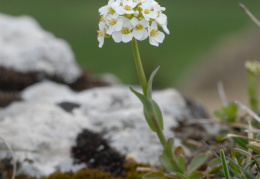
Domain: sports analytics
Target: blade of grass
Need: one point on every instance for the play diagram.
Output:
(224, 164)
(216, 155)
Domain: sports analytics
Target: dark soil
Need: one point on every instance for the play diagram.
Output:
(94, 151)
(13, 82)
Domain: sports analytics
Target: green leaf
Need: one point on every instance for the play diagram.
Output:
(234, 158)
(179, 154)
(227, 113)
(224, 164)
(167, 159)
(214, 165)
(158, 114)
(253, 147)
(150, 83)
(216, 155)
(240, 141)
(246, 173)
(148, 109)
(197, 175)
(182, 176)
(149, 121)
(197, 162)
(154, 175)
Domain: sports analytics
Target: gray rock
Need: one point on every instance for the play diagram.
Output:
(38, 124)
(25, 46)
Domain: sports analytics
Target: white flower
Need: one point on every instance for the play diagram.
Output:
(148, 11)
(165, 28)
(101, 33)
(162, 20)
(114, 22)
(157, 7)
(125, 34)
(139, 31)
(155, 36)
(106, 9)
(124, 7)
(128, 19)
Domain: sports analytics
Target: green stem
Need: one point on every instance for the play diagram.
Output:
(139, 67)
(143, 82)
(252, 92)
(159, 131)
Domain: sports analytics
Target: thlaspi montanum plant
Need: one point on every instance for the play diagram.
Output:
(132, 20)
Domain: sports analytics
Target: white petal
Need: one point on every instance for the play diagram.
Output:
(119, 24)
(153, 41)
(117, 36)
(145, 34)
(138, 34)
(127, 37)
(134, 21)
(103, 10)
(154, 25)
(144, 22)
(166, 30)
(160, 37)
(162, 19)
(101, 41)
(152, 14)
(110, 2)
(101, 25)
(110, 30)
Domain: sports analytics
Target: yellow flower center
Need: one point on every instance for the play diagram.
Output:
(139, 27)
(102, 19)
(100, 34)
(127, 8)
(125, 30)
(146, 11)
(158, 13)
(112, 21)
(154, 33)
(111, 10)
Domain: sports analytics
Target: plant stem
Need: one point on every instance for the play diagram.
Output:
(252, 92)
(139, 66)
(143, 82)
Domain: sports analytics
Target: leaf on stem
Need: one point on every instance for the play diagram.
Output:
(167, 159)
(150, 83)
(148, 109)
(158, 114)
(197, 162)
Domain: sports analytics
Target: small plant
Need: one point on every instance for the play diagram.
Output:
(132, 20)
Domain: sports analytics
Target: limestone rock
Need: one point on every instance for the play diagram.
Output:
(25, 47)
(46, 131)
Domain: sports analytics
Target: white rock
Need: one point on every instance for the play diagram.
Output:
(39, 124)
(25, 46)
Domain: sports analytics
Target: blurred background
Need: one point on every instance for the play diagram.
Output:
(198, 52)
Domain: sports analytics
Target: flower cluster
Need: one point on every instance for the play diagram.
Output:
(127, 19)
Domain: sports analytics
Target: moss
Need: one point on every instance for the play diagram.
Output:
(59, 175)
(130, 173)
(92, 174)
(23, 176)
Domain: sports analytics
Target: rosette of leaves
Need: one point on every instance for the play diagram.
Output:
(175, 163)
